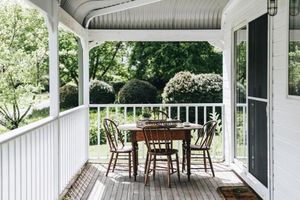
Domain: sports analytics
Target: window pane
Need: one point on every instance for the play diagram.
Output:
(294, 50)
(240, 50)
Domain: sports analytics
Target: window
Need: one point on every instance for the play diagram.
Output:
(294, 49)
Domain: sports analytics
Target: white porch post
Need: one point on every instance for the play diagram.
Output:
(84, 79)
(80, 73)
(52, 24)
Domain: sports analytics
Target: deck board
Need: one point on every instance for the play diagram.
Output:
(92, 184)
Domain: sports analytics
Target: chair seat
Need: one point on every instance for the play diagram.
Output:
(198, 147)
(163, 151)
(124, 149)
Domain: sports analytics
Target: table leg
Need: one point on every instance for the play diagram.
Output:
(134, 159)
(134, 156)
(188, 154)
(183, 155)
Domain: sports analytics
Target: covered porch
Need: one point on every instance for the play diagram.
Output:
(52, 158)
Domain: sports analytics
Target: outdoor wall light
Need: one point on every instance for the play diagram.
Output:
(294, 7)
(272, 7)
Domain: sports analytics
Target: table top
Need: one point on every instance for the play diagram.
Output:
(132, 127)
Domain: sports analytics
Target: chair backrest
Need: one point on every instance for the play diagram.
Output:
(159, 114)
(158, 138)
(206, 134)
(113, 134)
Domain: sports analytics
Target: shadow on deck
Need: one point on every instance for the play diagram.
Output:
(93, 184)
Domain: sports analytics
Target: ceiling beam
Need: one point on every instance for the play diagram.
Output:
(69, 22)
(155, 35)
(116, 8)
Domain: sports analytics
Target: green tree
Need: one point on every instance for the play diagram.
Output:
(23, 59)
(157, 62)
(108, 62)
(68, 56)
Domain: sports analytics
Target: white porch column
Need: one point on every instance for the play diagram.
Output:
(80, 74)
(84, 86)
(52, 24)
(53, 64)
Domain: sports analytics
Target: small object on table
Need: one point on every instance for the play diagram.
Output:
(186, 124)
(169, 123)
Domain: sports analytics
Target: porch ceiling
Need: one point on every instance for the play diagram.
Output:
(146, 14)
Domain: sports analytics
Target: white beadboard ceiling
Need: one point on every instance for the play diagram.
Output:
(159, 14)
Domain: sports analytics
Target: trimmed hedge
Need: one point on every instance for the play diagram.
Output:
(68, 96)
(101, 92)
(186, 87)
(137, 91)
(117, 86)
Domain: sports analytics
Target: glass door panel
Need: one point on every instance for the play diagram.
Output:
(240, 58)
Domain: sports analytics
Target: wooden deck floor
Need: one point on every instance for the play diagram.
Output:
(92, 184)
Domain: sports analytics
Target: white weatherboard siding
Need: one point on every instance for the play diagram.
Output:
(286, 115)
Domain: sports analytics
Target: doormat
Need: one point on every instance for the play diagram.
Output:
(237, 193)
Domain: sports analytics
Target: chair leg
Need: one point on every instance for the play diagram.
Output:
(110, 161)
(178, 170)
(172, 168)
(154, 166)
(204, 158)
(169, 174)
(210, 163)
(148, 169)
(115, 162)
(129, 160)
(147, 157)
(183, 156)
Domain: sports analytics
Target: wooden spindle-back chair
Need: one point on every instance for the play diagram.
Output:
(116, 144)
(159, 142)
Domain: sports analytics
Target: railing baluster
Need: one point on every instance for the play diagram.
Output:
(205, 116)
(98, 126)
(223, 128)
(187, 113)
(134, 113)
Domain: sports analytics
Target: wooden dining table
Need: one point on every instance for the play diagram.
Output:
(179, 133)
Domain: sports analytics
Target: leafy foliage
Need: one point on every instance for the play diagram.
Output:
(68, 56)
(157, 62)
(137, 91)
(23, 61)
(68, 96)
(186, 87)
(101, 92)
(294, 68)
(107, 62)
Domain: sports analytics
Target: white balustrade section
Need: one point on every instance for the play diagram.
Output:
(38, 160)
(73, 143)
(129, 113)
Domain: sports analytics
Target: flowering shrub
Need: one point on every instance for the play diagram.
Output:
(186, 87)
(137, 91)
(101, 92)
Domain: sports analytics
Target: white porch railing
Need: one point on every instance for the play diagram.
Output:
(37, 161)
(129, 113)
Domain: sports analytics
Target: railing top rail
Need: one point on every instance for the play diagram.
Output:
(5, 137)
(157, 105)
(73, 110)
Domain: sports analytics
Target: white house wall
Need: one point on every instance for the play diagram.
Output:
(286, 115)
(285, 110)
